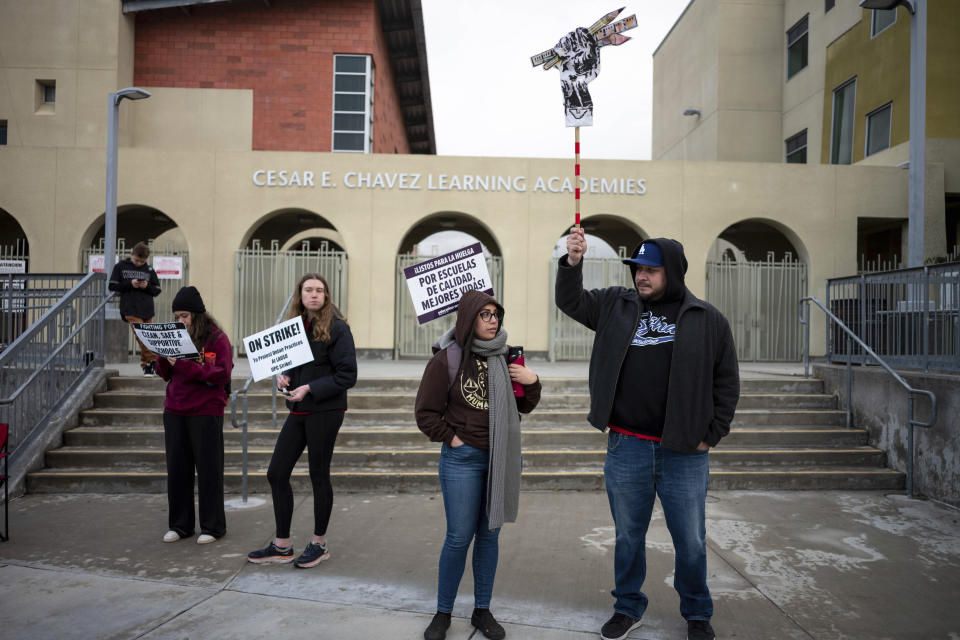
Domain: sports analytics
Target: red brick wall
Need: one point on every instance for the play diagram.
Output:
(284, 53)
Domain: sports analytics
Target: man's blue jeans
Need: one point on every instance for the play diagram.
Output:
(463, 480)
(635, 472)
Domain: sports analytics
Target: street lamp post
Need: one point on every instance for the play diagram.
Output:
(918, 121)
(110, 210)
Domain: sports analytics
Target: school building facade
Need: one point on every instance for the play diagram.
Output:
(298, 134)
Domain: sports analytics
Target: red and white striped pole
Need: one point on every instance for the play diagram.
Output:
(576, 174)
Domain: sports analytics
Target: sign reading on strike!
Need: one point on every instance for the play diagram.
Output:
(168, 339)
(437, 284)
(277, 349)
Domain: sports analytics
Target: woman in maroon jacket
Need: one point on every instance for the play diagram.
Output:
(193, 422)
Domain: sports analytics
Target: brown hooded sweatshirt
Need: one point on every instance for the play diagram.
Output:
(443, 410)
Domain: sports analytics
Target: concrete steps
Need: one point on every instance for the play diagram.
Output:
(787, 434)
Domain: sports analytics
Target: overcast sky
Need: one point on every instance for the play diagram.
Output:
(489, 101)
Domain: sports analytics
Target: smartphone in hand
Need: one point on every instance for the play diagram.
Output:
(515, 356)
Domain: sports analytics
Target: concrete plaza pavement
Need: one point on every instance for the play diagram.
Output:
(795, 565)
(782, 565)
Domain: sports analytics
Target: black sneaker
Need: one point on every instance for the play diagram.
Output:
(271, 554)
(700, 630)
(149, 370)
(482, 619)
(313, 555)
(619, 626)
(437, 629)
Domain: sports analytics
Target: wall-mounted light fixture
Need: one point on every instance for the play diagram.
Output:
(691, 112)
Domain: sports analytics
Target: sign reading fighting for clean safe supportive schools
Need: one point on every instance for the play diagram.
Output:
(168, 339)
(437, 284)
(274, 350)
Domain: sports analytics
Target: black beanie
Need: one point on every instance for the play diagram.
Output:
(188, 299)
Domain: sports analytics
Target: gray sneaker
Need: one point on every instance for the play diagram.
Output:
(271, 554)
(313, 555)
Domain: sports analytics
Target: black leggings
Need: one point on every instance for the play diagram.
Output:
(318, 433)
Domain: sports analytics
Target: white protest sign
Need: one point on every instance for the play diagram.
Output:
(168, 339)
(437, 284)
(277, 349)
(168, 267)
(13, 266)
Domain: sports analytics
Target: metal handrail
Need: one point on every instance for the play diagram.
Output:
(66, 342)
(244, 391)
(912, 421)
(41, 353)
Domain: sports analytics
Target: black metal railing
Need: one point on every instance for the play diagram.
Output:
(851, 339)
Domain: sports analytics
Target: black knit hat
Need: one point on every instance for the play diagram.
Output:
(188, 299)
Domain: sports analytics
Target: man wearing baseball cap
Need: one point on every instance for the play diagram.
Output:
(664, 381)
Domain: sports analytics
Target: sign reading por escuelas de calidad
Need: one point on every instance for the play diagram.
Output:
(475, 183)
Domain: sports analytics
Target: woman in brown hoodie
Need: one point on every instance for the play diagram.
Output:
(467, 402)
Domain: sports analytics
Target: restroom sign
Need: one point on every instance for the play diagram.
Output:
(437, 284)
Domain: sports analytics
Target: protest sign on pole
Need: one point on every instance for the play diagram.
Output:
(437, 284)
(167, 339)
(168, 267)
(277, 349)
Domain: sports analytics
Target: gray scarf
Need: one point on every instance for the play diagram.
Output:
(503, 478)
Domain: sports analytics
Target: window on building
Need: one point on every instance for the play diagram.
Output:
(841, 133)
(352, 103)
(797, 148)
(878, 129)
(48, 91)
(3, 132)
(828, 4)
(46, 96)
(881, 19)
(797, 46)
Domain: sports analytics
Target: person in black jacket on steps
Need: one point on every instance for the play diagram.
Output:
(138, 285)
(664, 379)
(316, 394)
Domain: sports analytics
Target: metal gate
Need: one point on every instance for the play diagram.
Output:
(570, 340)
(168, 286)
(411, 339)
(264, 279)
(759, 299)
(13, 315)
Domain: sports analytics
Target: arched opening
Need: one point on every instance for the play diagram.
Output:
(276, 251)
(14, 247)
(610, 239)
(756, 274)
(169, 252)
(435, 235)
(279, 227)
(14, 258)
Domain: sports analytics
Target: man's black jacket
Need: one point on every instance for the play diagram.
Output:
(704, 384)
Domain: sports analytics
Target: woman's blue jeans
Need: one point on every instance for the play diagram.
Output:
(463, 480)
(637, 471)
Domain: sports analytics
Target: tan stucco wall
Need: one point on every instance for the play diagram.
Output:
(77, 43)
(724, 58)
(214, 201)
(685, 72)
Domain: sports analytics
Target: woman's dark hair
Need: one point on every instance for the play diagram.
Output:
(322, 319)
(202, 326)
